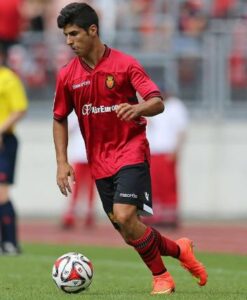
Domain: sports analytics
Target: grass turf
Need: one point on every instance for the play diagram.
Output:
(119, 274)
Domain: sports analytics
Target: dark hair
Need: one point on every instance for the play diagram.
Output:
(77, 13)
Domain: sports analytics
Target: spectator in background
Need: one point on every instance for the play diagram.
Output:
(107, 11)
(192, 23)
(150, 23)
(29, 58)
(166, 134)
(223, 9)
(145, 21)
(35, 12)
(238, 57)
(36, 74)
(11, 22)
(62, 56)
(13, 105)
(84, 187)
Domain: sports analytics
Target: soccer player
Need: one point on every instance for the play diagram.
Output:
(100, 84)
(13, 106)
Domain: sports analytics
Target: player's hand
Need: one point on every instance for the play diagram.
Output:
(128, 112)
(65, 175)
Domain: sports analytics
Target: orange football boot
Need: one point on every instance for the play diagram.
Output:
(163, 284)
(189, 261)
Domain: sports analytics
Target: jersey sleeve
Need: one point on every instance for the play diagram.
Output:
(62, 101)
(16, 94)
(141, 82)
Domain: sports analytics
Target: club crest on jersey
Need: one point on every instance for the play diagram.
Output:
(110, 82)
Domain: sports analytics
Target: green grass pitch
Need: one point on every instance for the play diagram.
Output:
(118, 274)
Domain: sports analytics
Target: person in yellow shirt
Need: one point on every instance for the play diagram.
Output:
(13, 106)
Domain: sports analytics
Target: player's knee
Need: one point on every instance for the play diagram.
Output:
(123, 219)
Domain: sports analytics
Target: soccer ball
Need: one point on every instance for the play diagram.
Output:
(72, 272)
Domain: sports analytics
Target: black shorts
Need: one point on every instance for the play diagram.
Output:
(8, 152)
(130, 185)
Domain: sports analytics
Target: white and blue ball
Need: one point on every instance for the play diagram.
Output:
(72, 272)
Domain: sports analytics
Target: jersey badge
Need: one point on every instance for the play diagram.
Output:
(110, 82)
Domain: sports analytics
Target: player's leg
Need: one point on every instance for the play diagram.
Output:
(7, 221)
(141, 237)
(134, 232)
(7, 212)
(68, 218)
(90, 187)
(170, 203)
(186, 255)
(135, 181)
(105, 189)
(124, 217)
(166, 246)
(133, 197)
(164, 191)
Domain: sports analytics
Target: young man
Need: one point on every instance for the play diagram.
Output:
(100, 84)
(13, 105)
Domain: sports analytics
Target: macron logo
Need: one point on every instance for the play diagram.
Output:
(124, 195)
(83, 83)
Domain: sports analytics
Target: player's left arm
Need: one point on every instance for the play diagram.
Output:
(149, 108)
(153, 103)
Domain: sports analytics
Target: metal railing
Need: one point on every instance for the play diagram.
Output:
(208, 73)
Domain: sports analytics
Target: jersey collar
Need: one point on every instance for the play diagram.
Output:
(105, 55)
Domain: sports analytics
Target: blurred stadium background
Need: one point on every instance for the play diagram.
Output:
(195, 48)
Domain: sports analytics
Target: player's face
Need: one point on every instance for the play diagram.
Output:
(80, 40)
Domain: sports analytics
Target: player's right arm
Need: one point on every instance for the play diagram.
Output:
(64, 169)
(61, 109)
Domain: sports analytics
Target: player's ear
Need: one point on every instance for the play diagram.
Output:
(93, 30)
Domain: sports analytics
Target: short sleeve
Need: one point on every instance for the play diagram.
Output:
(62, 101)
(141, 82)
